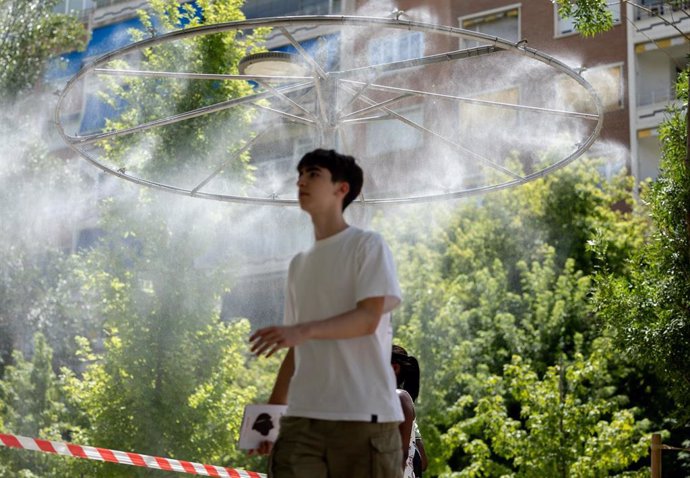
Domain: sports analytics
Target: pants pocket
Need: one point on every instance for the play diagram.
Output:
(386, 455)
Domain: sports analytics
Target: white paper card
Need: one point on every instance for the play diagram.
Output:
(260, 423)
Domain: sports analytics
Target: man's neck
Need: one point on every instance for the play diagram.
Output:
(326, 226)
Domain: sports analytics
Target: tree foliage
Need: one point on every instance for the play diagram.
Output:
(566, 422)
(648, 308)
(161, 375)
(42, 199)
(590, 16)
(32, 404)
(497, 310)
(30, 33)
(169, 379)
(202, 143)
(31, 181)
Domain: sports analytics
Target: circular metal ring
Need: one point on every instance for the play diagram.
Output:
(370, 102)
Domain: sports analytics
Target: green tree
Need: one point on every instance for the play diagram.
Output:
(30, 33)
(647, 308)
(566, 423)
(192, 148)
(31, 404)
(590, 16)
(170, 379)
(32, 182)
(39, 283)
(502, 279)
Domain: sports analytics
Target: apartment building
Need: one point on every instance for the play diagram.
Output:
(657, 43)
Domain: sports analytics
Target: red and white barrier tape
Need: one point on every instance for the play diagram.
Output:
(122, 457)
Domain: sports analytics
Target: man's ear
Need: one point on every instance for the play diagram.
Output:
(344, 188)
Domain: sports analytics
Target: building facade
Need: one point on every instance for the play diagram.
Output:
(657, 43)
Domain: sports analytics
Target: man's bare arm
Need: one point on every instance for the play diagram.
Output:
(282, 383)
(358, 322)
(406, 427)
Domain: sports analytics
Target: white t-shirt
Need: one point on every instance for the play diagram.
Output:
(346, 379)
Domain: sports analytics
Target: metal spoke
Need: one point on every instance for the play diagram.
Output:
(280, 94)
(496, 104)
(422, 61)
(367, 119)
(225, 163)
(320, 71)
(419, 127)
(299, 119)
(272, 200)
(354, 98)
(377, 105)
(321, 100)
(179, 117)
(194, 76)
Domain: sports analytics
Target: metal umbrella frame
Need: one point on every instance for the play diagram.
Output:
(327, 121)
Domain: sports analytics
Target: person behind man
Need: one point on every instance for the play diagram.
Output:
(342, 408)
(407, 427)
(407, 375)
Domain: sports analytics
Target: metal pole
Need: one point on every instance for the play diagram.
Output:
(656, 455)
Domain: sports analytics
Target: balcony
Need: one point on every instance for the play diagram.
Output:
(657, 96)
(270, 8)
(108, 3)
(652, 106)
(81, 8)
(653, 8)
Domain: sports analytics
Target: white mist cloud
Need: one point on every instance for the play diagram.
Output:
(377, 8)
(41, 194)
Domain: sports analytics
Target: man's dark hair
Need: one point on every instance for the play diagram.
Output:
(342, 168)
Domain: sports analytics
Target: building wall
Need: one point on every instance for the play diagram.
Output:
(538, 27)
(658, 51)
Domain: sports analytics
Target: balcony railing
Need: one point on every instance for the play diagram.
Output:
(74, 6)
(653, 8)
(108, 3)
(656, 96)
(267, 8)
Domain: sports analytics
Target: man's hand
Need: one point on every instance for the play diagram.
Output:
(265, 448)
(358, 322)
(269, 340)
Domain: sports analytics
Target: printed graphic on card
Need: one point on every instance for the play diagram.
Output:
(260, 423)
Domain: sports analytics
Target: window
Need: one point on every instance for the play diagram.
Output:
(491, 115)
(400, 47)
(566, 26)
(504, 24)
(406, 137)
(608, 83)
(606, 80)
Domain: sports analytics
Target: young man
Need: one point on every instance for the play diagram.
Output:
(343, 411)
